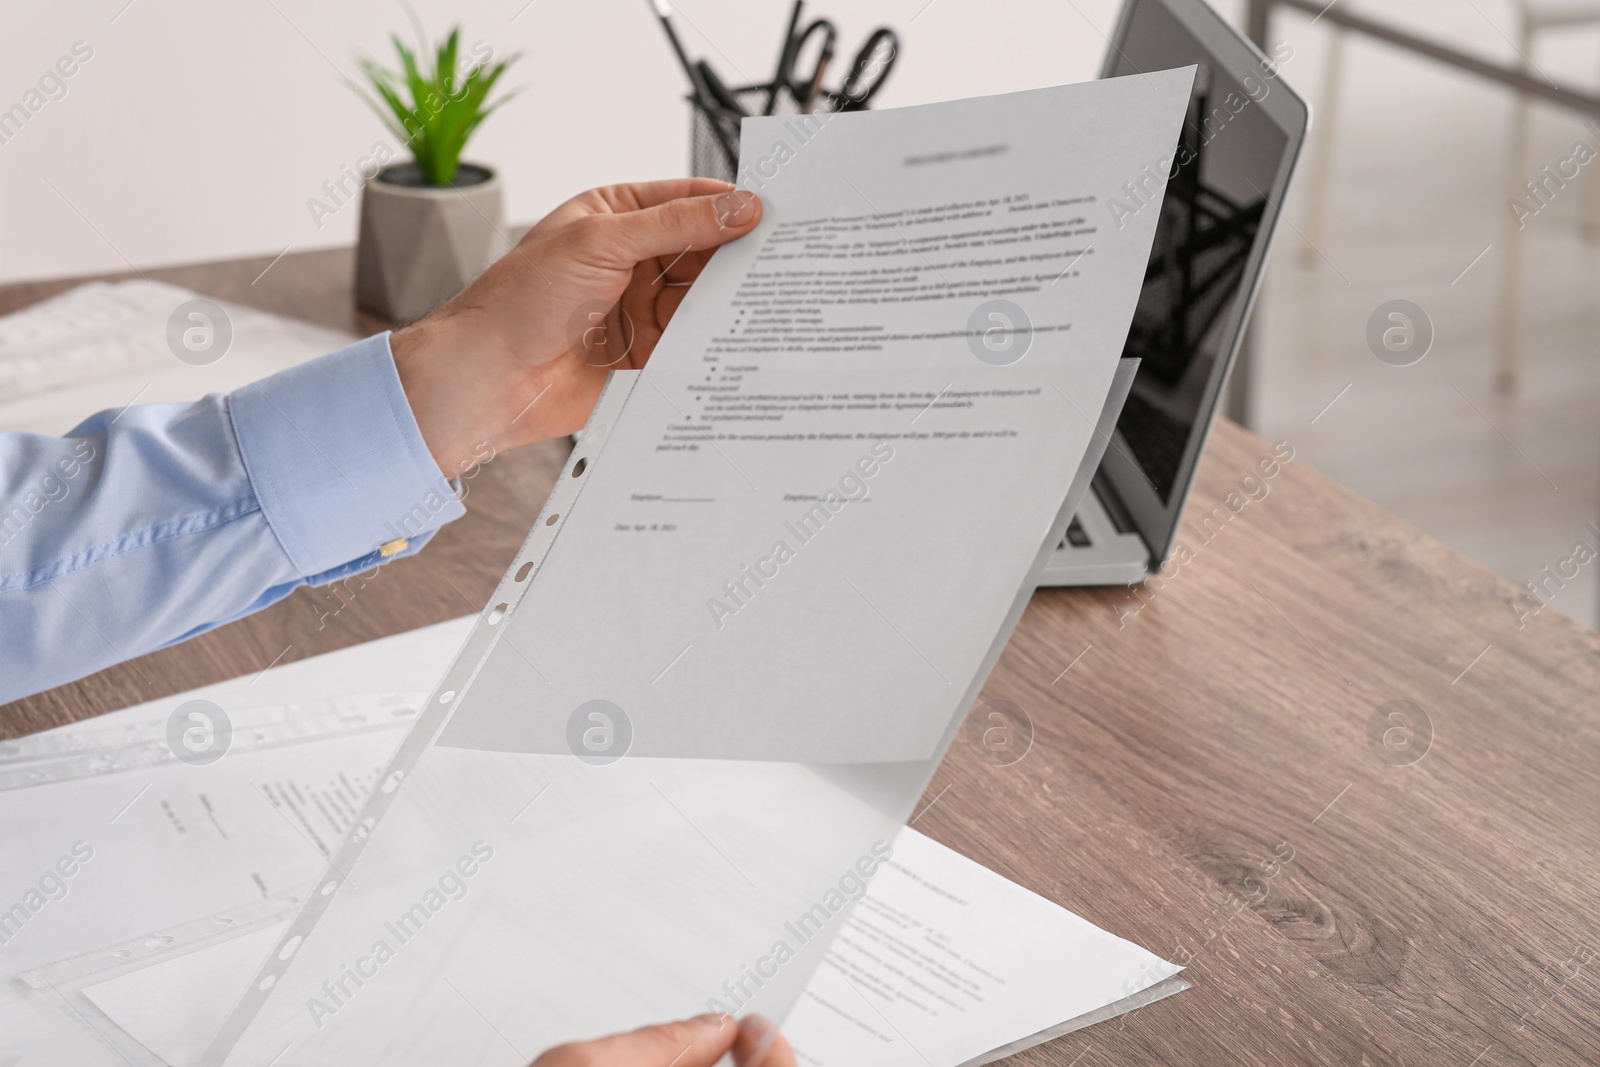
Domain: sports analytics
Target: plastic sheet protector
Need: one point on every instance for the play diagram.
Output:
(682, 736)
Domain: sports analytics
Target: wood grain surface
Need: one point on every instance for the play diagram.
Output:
(1205, 776)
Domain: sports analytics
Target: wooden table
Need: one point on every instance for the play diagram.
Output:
(1202, 779)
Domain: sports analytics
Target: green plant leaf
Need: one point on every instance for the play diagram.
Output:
(434, 114)
(397, 117)
(447, 62)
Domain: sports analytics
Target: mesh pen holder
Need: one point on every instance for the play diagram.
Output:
(706, 157)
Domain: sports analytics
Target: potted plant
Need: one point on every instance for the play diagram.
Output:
(430, 226)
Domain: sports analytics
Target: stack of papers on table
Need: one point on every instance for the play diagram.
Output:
(193, 872)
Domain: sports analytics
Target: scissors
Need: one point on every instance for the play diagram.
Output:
(868, 70)
(805, 88)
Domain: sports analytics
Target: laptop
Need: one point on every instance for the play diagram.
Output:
(1239, 146)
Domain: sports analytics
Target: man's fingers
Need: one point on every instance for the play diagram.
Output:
(667, 301)
(697, 1042)
(623, 199)
(668, 229)
(687, 267)
(631, 196)
(760, 1045)
(738, 209)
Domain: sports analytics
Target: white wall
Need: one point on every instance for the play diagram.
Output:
(199, 130)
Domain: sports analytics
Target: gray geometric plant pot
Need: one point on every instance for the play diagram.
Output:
(421, 244)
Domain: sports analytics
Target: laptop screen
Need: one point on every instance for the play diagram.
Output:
(1201, 273)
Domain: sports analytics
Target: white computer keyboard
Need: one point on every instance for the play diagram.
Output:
(104, 345)
(97, 328)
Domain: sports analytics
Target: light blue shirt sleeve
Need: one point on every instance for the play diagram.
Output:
(146, 526)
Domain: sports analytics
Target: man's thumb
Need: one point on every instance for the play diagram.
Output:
(689, 223)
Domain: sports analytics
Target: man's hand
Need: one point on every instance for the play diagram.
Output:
(697, 1042)
(520, 355)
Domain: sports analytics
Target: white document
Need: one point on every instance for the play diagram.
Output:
(943, 962)
(760, 599)
(152, 841)
(99, 859)
(939, 949)
(820, 501)
(116, 855)
(104, 345)
(171, 1008)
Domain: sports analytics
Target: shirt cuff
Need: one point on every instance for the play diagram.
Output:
(337, 461)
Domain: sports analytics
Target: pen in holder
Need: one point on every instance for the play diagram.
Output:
(706, 156)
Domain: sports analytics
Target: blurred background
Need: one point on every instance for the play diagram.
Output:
(200, 131)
